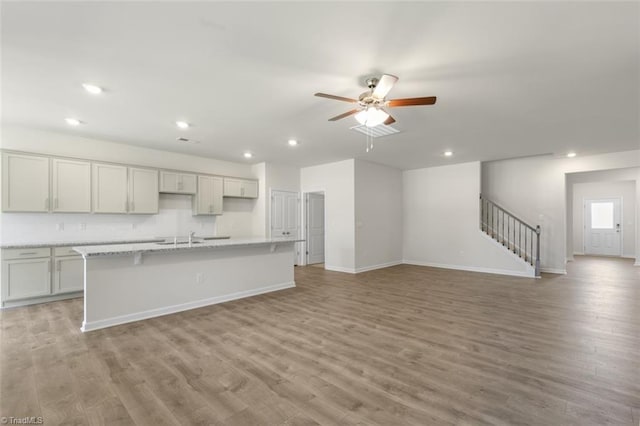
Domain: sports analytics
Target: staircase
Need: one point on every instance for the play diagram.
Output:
(512, 232)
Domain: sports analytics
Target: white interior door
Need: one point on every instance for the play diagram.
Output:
(315, 228)
(285, 214)
(602, 227)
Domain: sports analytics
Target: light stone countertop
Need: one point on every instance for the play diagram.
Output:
(45, 244)
(123, 249)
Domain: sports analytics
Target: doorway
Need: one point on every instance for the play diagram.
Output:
(314, 220)
(602, 227)
(285, 215)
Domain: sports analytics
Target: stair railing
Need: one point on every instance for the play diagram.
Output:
(511, 231)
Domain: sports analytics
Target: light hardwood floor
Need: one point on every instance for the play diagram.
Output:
(403, 345)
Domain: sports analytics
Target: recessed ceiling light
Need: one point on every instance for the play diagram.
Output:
(448, 153)
(182, 124)
(571, 154)
(92, 88)
(248, 154)
(73, 121)
(293, 142)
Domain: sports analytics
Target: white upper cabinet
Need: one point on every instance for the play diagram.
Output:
(241, 188)
(208, 200)
(70, 186)
(143, 191)
(109, 183)
(177, 183)
(25, 183)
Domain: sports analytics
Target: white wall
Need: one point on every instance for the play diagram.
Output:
(175, 210)
(337, 181)
(533, 188)
(378, 216)
(625, 190)
(441, 222)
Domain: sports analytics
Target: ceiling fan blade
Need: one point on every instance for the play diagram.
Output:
(411, 102)
(346, 114)
(389, 121)
(337, 98)
(384, 85)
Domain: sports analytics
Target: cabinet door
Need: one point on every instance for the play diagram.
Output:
(203, 201)
(25, 278)
(232, 187)
(143, 191)
(71, 186)
(169, 182)
(25, 183)
(249, 189)
(109, 188)
(217, 190)
(69, 274)
(188, 184)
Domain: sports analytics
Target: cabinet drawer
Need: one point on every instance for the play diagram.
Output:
(65, 251)
(8, 254)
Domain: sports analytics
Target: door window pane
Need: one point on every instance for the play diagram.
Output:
(602, 215)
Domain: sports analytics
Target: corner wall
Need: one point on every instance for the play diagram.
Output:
(337, 181)
(378, 216)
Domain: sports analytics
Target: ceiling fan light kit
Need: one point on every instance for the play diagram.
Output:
(371, 104)
(372, 116)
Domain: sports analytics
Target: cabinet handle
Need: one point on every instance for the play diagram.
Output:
(133, 206)
(48, 266)
(210, 208)
(57, 265)
(28, 253)
(180, 185)
(55, 202)
(242, 191)
(46, 203)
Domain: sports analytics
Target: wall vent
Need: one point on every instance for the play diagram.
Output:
(375, 132)
(186, 140)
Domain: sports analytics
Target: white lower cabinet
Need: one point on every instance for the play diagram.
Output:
(25, 274)
(40, 274)
(68, 271)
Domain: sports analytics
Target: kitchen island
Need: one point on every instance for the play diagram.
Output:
(131, 282)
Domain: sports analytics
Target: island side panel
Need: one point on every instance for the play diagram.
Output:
(118, 291)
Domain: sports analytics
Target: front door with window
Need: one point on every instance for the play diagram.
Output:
(602, 227)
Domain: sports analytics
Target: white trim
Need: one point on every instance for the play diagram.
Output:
(554, 271)
(152, 313)
(378, 266)
(578, 253)
(530, 274)
(339, 269)
(637, 262)
(45, 299)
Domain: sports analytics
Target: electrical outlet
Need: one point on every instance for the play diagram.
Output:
(199, 278)
(60, 226)
(82, 226)
(133, 226)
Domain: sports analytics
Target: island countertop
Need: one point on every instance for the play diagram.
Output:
(155, 247)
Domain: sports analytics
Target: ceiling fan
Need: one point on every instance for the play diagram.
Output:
(370, 111)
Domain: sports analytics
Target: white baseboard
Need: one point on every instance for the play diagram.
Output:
(378, 266)
(554, 271)
(530, 274)
(110, 322)
(637, 262)
(26, 302)
(339, 269)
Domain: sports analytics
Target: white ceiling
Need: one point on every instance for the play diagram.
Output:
(512, 79)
